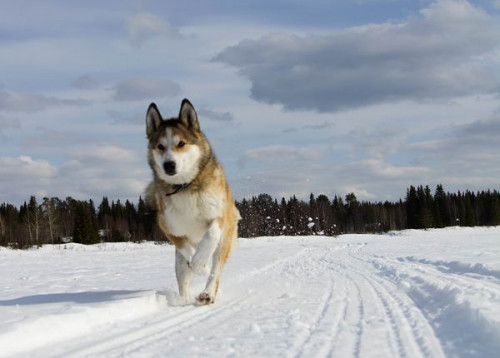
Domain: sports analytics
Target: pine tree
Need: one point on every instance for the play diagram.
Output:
(146, 219)
(324, 221)
(104, 218)
(339, 215)
(85, 231)
(412, 208)
(495, 208)
(441, 211)
(352, 211)
(470, 217)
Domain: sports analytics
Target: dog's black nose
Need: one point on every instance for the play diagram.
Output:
(169, 167)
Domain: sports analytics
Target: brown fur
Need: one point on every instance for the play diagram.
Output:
(208, 185)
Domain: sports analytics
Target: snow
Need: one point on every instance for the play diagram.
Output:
(432, 293)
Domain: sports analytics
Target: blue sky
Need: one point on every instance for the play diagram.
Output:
(366, 96)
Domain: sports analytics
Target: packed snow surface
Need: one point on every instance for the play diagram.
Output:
(432, 293)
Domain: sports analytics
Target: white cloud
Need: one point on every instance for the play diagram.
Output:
(378, 169)
(86, 82)
(107, 170)
(48, 137)
(8, 124)
(135, 89)
(106, 153)
(361, 193)
(25, 166)
(428, 57)
(142, 26)
(280, 155)
(23, 176)
(21, 102)
(462, 149)
(376, 148)
(110, 170)
(377, 142)
(216, 115)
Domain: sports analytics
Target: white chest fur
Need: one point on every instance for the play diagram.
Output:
(190, 214)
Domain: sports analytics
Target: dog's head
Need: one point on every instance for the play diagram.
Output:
(176, 146)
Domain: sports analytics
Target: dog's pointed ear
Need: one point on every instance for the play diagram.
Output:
(153, 119)
(188, 116)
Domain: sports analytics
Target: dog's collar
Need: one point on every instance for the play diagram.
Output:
(178, 188)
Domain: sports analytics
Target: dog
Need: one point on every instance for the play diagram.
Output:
(189, 192)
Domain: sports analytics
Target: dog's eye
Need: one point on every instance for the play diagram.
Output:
(181, 144)
(161, 147)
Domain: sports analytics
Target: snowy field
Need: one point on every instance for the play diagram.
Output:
(429, 293)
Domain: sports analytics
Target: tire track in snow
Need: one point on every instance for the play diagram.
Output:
(343, 325)
(338, 303)
(453, 305)
(320, 339)
(164, 327)
(329, 346)
(361, 320)
(423, 333)
(339, 330)
(305, 338)
(408, 337)
(404, 332)
(126, 341)
(216, 316)
(371, 312)
(272, 265)
(393, 337)
(365, 294)
(317, 336)
(415, 333)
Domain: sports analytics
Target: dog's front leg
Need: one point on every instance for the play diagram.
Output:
(184, 275)
(206, 248)
(208, 295)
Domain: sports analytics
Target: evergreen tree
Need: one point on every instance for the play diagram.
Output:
(146, 220)
(441, 212)
(412, 208)
(425, 207)
(104, 218)
(85, 231)
(339, 215)
(492, 207)
(324, 214)
(353, 215)
(469, 203)
(33, 224)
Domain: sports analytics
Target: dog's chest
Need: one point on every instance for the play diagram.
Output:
(190, 215)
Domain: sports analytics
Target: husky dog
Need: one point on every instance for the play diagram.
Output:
(195, 208)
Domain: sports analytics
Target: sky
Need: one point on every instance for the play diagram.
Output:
(296, 97)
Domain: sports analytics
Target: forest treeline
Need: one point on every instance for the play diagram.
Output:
(54, 220)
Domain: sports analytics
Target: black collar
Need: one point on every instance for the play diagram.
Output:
(178, 188)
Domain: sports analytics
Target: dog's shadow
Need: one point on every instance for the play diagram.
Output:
(75, 297)
(169, 296)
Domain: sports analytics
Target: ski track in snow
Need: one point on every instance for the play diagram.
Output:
(409, 294)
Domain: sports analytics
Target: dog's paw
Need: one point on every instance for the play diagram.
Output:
(205, 298)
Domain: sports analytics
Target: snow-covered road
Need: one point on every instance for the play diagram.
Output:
(429, 293)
